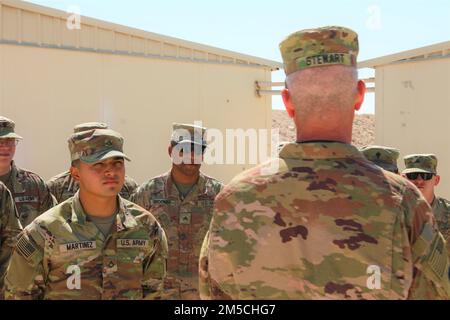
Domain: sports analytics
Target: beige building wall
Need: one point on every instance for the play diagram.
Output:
(48, 91)
(413, 111)
(58, 70)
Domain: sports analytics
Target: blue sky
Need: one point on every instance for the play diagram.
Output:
(256, 27)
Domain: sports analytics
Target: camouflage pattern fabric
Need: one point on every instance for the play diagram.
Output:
(96, 145)
(9, 229)
(319, 47)
(441, 210)
(63, 256)
(7, 129)
(186, 222)
(64, 187)
(327, 224)
(426, 163)
(384, 157)
(30, 193)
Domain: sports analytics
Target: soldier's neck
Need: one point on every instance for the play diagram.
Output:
(317, 129)
(98, 206)
(5, 168)
(303, 136)
(430, 198)
(179, 177)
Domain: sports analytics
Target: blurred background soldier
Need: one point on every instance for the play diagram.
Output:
(421, 169)
(384, 157)
(9, 229)
(31, 195)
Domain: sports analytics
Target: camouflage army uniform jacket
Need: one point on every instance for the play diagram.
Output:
(186, 222)
(441, 210)
(322, 222)
(64, 187)
(31, 195)
(61, 255)
(9, 229)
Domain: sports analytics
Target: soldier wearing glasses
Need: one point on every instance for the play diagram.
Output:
(31, 195)
(421, 170)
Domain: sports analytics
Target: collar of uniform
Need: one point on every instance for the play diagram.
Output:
(319, 150)
(78, 214)
(15, 181)
(69, 182)
(124, 220)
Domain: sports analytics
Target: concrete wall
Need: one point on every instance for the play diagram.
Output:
(413, 111)
(48, 91)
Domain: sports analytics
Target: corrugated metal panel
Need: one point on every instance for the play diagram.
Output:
(138, 45)
(10, 27)
(185, 53)
(30, 27)
(213, 57)
(170, 50)
(122, 42)
(47, 30)
(154, 47)
(105, 40)
(437, 50)
(25, 23)
(87, 37)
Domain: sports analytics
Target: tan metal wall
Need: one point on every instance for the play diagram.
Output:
(48, 91)
(413, 111)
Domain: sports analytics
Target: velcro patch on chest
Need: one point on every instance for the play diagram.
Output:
(78, 246)
(23, 199)
(132, 243)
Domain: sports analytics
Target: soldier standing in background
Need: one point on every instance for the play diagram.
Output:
(182, 200)
(321, 221)
(421, 169)
(63, 186)
(96, 245)
(9, 229)
(384, 157)
(31, 196)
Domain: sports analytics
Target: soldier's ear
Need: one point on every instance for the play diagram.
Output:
(74, 172)
(169, 150)
(361, 92)
(287, 100)
(437, 179)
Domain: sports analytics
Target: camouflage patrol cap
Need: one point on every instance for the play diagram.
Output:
(96, 145)
(282, 144)
(188, 133)
(7, 129)
(384, 157)
(89, 126)
(426, 163)
(319, 47)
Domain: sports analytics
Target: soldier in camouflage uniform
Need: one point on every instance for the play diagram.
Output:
(321, 221)
(384, 157)
(95, 245)
(421, 169)
(31, 195)
(9, 229)
(63, 187)
(182, 201)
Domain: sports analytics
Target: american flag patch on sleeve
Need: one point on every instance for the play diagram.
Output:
(25, 247)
